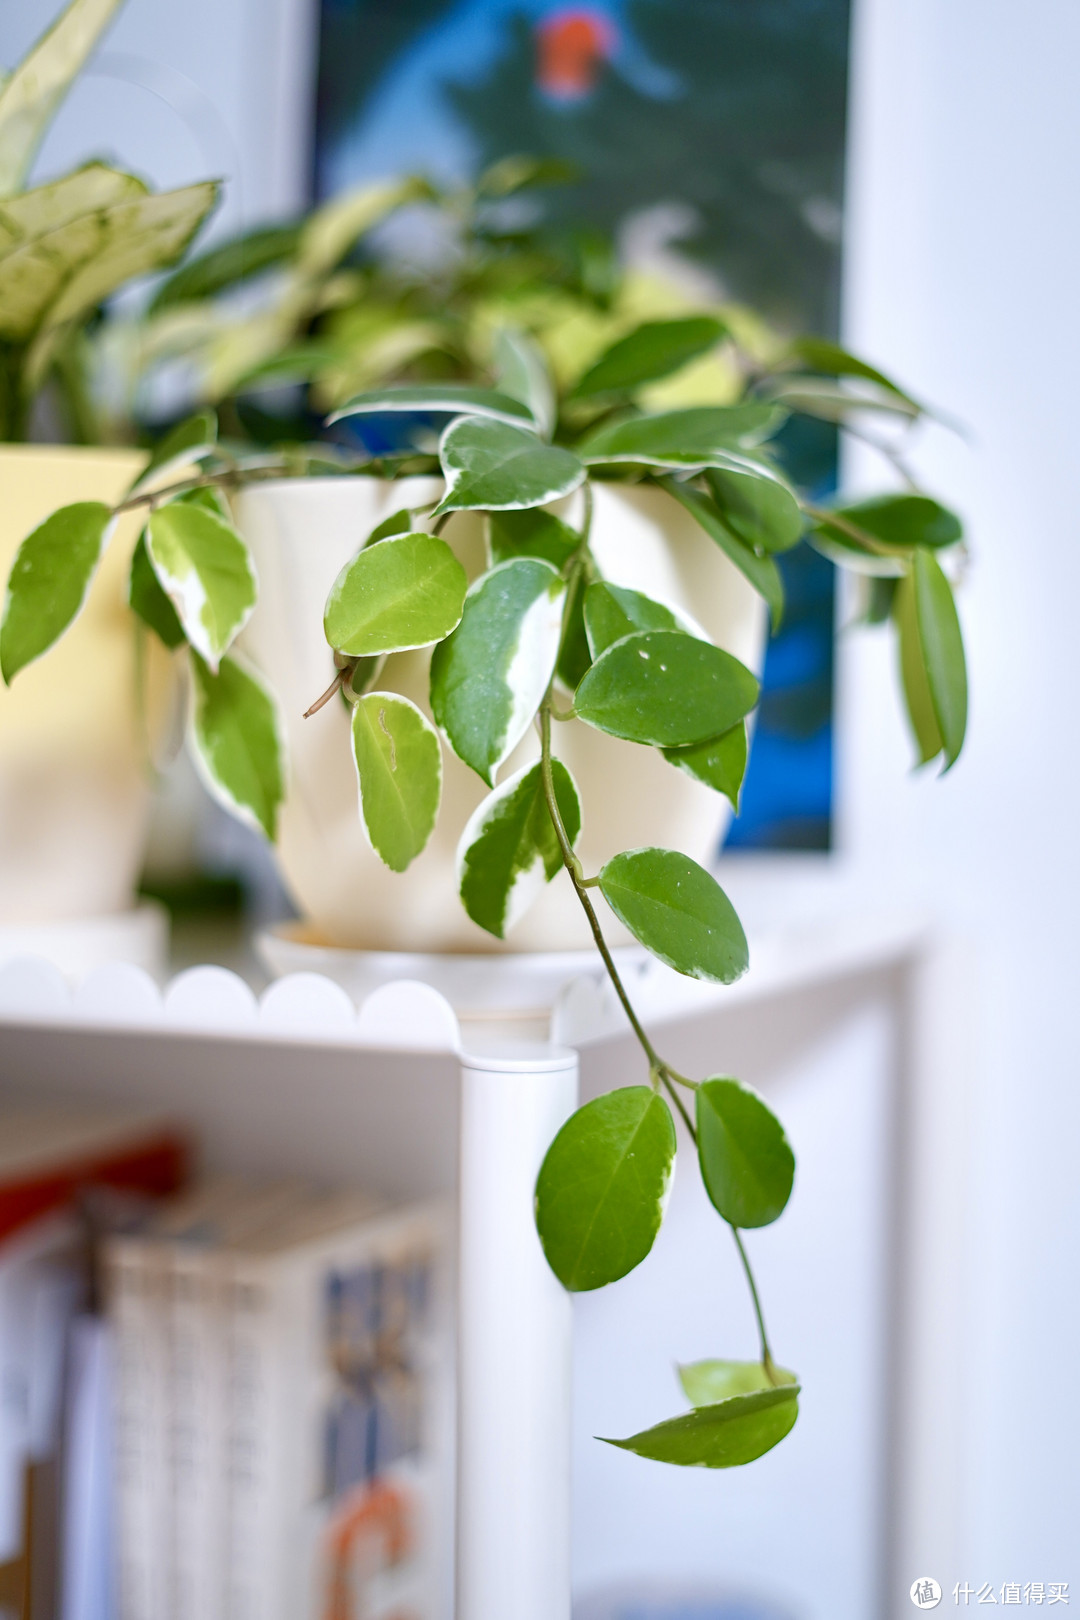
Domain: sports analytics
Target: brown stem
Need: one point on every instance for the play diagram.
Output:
(335, 686)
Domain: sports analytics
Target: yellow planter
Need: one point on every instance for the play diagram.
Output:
(74, 777)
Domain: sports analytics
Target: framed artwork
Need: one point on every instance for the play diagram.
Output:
(710, 129)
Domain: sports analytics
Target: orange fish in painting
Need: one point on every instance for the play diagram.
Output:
(572, 45)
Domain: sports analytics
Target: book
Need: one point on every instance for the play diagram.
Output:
(338, 1503)
(50, 1155)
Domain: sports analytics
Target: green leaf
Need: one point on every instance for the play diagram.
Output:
(205, 570)
(227, 265)
(720, 763)
(50, 280)
(29, 98)
(495, 467)
(407, 591)
(678, 912)
(574, 655)
(724, 1435)
(519, 171)
(148, 601)
(942, 650)
(521, 371)
(762, 572)
(687, 438)
(757, 505)
(508, 850)
(237, 742)
(707, 1382)
(188, 442)
(603, 1186)
(396, 523)
(746, 1160)
(613, 611)
(533, 533)
(905, 521)
(455, 398)
(916, 685)
(488, 678)
(653, 350)
(399, 769)
(49, 581)
(833, 403)
(837, 362)
(665, 688)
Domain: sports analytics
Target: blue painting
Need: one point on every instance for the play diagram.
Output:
(710, 128)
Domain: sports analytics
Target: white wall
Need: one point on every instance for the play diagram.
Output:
(963, 270)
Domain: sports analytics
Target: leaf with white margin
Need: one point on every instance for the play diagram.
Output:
(451, 398)
(30, 97)
(237, 744)
(489, 676)
(49, 581)
(521, 370)
(205, 570)
(399, 773)
(492, 467)
(509, 850)
(188, 442)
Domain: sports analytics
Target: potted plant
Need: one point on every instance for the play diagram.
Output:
(71, 752)
(526, 675)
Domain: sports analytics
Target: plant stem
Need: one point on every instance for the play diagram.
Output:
(869, 542)
(573, 866)
(766, 1353)
(201, 481)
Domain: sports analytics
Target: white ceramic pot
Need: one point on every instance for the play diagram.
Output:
(301, 532)
(74, 778)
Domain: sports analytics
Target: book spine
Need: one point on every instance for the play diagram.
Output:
(251, 1590)
(134, 1282)
(196, 1435)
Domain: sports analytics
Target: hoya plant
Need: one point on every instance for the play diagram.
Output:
(538, 637)
(69, 245)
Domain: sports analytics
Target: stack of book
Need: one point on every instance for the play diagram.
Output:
(219, 1400)
(51, 1159)
(278, 1367)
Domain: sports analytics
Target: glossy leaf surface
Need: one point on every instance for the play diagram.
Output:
(942, 650)
(533, 533)
(685, 438)
(205, 570)
(603, 1186)
(495, 467)
(678, 911)
(653, 350)
(509, 851)
(916, 685)
(706, 1382)
(905, 521)
(521, 372)
(762, 572)
(188, 441)
(148, 601)
(49, 581)
(406, 591)
(399, 771)
(757, 506)
(613, 611)
(666, 688)
(457, 399)
(487, 679)
(746, 1160)
(237, 742)
(720, 763)
(725, 1435)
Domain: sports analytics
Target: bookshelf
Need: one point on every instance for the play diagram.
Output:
(401, 1095)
